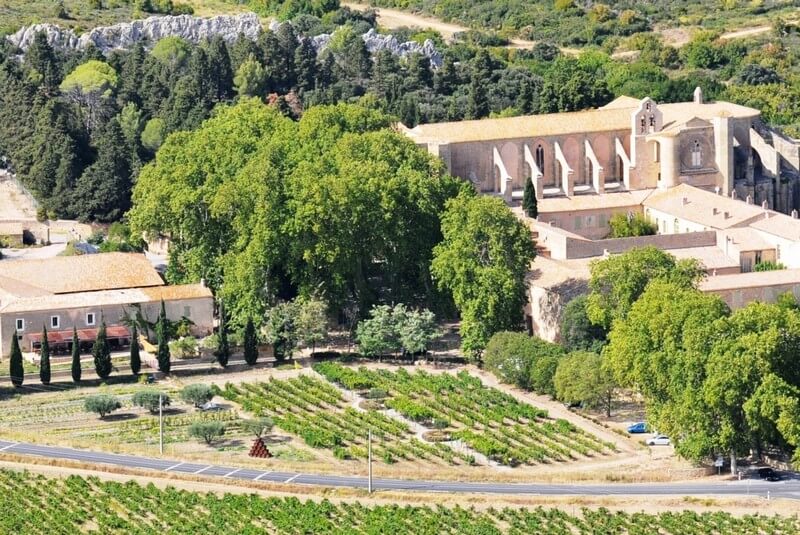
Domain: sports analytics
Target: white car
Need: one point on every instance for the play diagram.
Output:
(658, 440)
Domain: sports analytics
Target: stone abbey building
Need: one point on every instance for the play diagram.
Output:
(718, 183)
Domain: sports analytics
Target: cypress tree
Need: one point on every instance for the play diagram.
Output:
(44, 360)
(102, 353)
(223, 352)
(16, 369)
(529, 203)
(76, 356)
(250, 343)
(136, 361)
(163, 356)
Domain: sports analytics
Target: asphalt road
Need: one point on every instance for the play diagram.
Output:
(785, 489)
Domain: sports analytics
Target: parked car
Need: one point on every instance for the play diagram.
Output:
(639, 427)
(658, 440)
(768, 474)
(210, 407)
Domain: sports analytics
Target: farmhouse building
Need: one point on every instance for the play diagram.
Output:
(80, 292)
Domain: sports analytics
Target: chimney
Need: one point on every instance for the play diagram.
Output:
(715, 211)
(716, 190)
(698, 95)
(685, 201)
(794, 214)
(748, 199)
(733, 194)
(765, 205)
(203, 283)
(726, 215)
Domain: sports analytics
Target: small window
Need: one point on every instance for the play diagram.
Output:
(676, 229)
(20, 324)
(55, 322)
(187, 312)
(697, 155)
(578, 223)
(90, 318)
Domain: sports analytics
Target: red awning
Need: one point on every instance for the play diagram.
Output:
(84, 335)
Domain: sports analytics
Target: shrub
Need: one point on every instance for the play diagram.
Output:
(102, 404)
(629, 225)
(197, 394)
(511, 356)
(376, 393)
(207, 431)
(769, 266)
(257, 426)
(149, 398)
(183, 348)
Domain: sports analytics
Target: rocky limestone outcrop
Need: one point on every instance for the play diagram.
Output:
(126, 34)
(376, 41)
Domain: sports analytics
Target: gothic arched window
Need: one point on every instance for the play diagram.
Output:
(540, 158)
(697, 154)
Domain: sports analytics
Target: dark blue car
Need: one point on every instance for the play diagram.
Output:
(639, 427)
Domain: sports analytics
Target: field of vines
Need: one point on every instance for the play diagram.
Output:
(34, 504)
(318, 413)
(442, 418)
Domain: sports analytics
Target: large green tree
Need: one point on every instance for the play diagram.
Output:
(483, 261)
(582, 377)
(261, 207)
(617, 281)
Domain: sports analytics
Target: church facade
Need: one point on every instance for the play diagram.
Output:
(627, 145)
(717, 183)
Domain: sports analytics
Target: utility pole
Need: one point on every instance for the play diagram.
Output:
(161, 424)
(369, 461)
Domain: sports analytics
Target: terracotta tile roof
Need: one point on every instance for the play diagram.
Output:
(780, 225)
(526, 126)
(747, 239)
(614, 116)
(107, 298)
(84, 273)
(699, 207)
(712, 257)
(750, 280)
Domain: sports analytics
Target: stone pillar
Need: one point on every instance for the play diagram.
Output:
(723, 152)
(670, 160)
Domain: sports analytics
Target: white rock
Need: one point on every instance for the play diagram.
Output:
(150, 30)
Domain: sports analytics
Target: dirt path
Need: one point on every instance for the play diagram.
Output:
(392, 18)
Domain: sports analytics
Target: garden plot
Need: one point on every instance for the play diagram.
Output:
(441, 419)
(460, 407)
(319, 414)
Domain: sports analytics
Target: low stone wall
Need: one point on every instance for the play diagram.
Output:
(565, 245)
